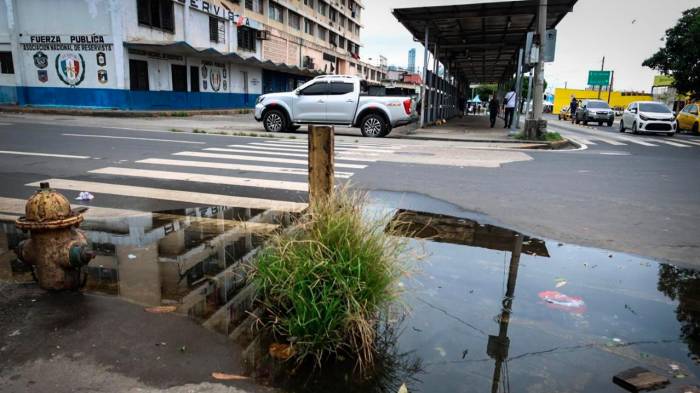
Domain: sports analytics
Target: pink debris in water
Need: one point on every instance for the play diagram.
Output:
(559, 301)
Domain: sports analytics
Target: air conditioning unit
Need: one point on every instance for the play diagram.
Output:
(262, 35)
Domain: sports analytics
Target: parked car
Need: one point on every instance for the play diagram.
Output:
(595, 111)
(688, 118)
(335, 100)
(647, 116)
(565, 113)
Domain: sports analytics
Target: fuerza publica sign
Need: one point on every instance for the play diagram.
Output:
(55, 42)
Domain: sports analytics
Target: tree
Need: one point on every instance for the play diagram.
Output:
(485, 91)
(681, 55)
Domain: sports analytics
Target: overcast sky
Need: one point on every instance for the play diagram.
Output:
(595, 29)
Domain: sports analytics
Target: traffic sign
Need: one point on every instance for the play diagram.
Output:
(598, 78)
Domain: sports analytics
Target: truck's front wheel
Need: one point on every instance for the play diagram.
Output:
(374, 126)
(275, 121)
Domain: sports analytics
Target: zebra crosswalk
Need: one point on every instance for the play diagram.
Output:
(264, 174)
(594, 137)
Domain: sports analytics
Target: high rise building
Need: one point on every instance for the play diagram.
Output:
(412, 60)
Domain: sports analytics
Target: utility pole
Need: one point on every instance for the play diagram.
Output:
(610, 88)
(518, 90)
(424, 92)
(602, 68)
(539, 70)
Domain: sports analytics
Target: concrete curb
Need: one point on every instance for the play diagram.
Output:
(119, 113)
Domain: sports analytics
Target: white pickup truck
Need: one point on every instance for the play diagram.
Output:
(336, 100)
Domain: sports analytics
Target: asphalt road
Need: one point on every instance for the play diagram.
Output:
(636, 194)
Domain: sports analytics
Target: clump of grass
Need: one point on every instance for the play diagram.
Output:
(547, 136)
(324, 284)
(292, 137)
(176, 130)
(180, 114)
(198, 131)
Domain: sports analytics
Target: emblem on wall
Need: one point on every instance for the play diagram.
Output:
(223, 73)
(215, 79)
(41, 60)
(205, 72)
(102, 76)
(225, 85)
(101, 59)
(204, 84)
(43, 75)
(70, 68)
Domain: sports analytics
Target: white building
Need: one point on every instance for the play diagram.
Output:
(131, 54)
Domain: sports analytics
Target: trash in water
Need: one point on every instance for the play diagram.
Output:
(183, 348)
(560, 282)
(281, 351)
(161, 309)
(85, 196)
(674, 367)
(560, 301)
(465, 353)
(15, 333)
(228, 377)
(415, 329)
(131, 256)
(441, 351)
(403, 389)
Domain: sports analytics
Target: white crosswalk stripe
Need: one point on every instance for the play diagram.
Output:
(300, 150)
(358, 149)
(200, 178)
(16, 207)
(264, 159)
(675, 144)
(235, 167)
(636, 141)
(343, 144)
(339, 156)
(688, 141)
(199, 198)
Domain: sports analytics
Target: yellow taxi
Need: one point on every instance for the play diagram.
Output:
(688, 118)
(565, 114)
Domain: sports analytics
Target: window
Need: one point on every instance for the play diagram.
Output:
(653, 107)
(156, 13)
(217, 30)
(309, 3)
(340, 88)
(6, 65)
(322, 8)
(254, 5)
(276, 12)
(246, 38)
(322, 32)
(693, 110)
(138, 75)
(308, 27)
(294, 20)
(333, 38)
(179, 76)
(194, 79)
(317, 89)
(333, 15)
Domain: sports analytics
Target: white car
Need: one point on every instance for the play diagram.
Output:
(649, 117)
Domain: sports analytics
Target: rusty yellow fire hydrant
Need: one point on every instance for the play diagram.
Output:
(56, 248)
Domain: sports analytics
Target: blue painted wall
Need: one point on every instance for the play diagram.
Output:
(8, 95)
(134, 100)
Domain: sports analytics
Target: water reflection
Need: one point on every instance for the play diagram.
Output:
(193, 258)
(469, 329)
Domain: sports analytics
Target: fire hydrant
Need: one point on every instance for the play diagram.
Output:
(56, 248)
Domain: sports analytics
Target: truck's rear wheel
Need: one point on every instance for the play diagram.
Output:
(374, 126)
(275, 121)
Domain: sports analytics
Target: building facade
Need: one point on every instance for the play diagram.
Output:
(412, 61)
(171, 54)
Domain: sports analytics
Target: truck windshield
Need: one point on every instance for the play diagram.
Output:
(598, 105)
(653, 107)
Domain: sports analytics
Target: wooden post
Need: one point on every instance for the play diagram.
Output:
(321, 162)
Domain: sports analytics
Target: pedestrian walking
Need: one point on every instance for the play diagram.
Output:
(494, 107)
(509, 102)
(573, 107)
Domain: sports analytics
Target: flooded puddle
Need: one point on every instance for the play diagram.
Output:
(489, 309)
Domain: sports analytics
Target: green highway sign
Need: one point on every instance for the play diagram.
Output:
(598, 78)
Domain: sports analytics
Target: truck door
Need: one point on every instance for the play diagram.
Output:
(310, 103)
(341, 102)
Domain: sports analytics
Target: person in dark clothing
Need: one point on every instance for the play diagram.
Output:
(573, 107)
(494, 107)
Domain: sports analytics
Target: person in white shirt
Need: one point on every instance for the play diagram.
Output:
(509, 102)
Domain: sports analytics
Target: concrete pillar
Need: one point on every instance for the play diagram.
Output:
(433, 111)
